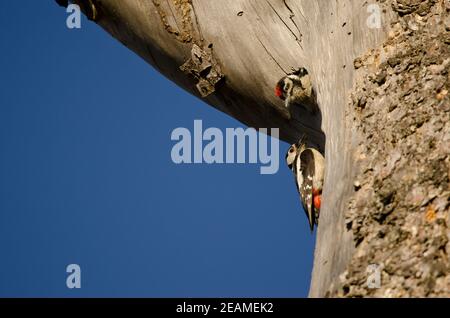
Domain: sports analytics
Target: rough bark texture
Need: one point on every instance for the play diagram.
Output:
(231, 53)
(400, 110)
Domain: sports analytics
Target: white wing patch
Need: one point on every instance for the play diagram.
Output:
(306, 189)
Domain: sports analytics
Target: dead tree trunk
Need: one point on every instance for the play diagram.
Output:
(231, 54)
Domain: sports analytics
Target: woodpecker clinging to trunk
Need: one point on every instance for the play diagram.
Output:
(296, 89)
(308, 166)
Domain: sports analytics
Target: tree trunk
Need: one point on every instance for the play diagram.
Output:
(232, 53)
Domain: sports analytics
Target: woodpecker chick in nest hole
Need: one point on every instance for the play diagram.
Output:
(296, 89)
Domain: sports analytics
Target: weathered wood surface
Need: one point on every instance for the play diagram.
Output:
(255, 43)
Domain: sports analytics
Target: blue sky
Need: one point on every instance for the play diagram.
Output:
(86, 177)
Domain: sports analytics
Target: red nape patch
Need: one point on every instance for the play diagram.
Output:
(278, 91)
(317, 201)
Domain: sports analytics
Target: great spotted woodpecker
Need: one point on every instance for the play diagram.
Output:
(296, 89)
(308, 166)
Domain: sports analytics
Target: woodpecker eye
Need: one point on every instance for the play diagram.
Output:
(291, 150)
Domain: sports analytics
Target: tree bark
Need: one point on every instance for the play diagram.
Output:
(232, 53)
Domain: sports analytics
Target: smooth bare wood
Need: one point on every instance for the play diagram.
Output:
(255, 43)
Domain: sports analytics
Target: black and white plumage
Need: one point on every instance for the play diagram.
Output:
(308, 166)
(296, 89)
